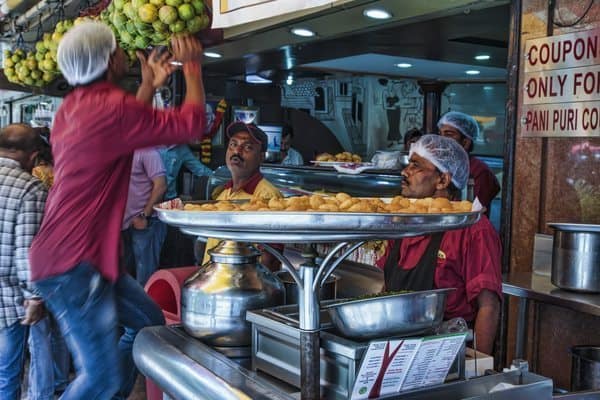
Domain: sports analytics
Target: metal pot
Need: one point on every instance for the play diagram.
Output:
(328, 290)
(585, 368)
(576, 257)
(215, 299)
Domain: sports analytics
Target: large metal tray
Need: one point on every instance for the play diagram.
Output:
(284, 226)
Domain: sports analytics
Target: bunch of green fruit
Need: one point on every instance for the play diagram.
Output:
(138, 24)
(25, 69)
(38, 67)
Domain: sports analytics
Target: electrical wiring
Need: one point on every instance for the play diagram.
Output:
(578, 20)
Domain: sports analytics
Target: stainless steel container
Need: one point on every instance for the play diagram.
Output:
(576, 257)
(404, 314)
(328, 290)
(585, 368)
(215, 299)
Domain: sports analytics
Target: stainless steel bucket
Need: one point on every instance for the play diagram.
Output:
(576, 257)
(585, 368)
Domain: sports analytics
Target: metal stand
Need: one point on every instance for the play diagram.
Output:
(351, 230)
(309, 280)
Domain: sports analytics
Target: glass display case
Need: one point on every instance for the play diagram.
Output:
(292, 180)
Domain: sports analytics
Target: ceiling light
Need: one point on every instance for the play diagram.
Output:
(212, 54)
(472, 72)
(377, 13)
(302, 32)
(253, 78)
(403, 65)
(482, 57)
(488, 88)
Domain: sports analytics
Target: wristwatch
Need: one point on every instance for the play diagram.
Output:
(143, 215)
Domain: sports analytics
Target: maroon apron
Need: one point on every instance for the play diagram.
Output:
(421, 277)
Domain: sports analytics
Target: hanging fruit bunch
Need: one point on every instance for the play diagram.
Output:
(37, 67)
(138, 24)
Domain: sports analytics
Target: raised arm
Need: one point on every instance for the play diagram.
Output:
(188, 50)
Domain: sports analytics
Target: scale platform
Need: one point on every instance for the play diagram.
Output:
(276, 351)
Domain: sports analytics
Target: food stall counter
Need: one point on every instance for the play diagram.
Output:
(531, 286)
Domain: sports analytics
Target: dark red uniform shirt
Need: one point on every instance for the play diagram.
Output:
(95, 132)
(468, 260)
(486, 184)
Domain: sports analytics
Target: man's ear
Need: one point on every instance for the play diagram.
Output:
(444, 181)
(466, 142)
(33, 156)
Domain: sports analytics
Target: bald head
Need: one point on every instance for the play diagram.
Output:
(21, 143)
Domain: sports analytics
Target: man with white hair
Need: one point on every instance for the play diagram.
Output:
(464, 129)
(75, 256)
(465, 259)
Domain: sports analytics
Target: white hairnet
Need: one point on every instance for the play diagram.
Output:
(447, 156)
(84, 51)
(461, 121)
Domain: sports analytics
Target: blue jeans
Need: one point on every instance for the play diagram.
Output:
(142, 248)
(41, 375)
(60, 357)
(89, 311)
(12, 351)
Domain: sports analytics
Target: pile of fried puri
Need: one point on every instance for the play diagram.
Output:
(341, 202)
(345, 156)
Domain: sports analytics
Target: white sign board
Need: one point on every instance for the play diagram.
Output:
(561, 86)
(228, 13)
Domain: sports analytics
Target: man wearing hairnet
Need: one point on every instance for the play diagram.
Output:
(75, 256)
(465, 259)
(464, 129)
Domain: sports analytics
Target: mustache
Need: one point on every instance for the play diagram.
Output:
(240, 158)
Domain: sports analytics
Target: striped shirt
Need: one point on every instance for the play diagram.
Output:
(22, 199)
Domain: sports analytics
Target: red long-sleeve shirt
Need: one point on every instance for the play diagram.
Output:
(95, 132)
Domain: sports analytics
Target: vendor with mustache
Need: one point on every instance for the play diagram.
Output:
(466, 259)
(245, 152)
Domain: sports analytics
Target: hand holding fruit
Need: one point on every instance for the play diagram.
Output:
(186, 48)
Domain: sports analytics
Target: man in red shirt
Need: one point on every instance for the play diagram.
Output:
(75, 256)
(465, 259)
(464, 129)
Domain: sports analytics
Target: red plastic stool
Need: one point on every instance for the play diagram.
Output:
(164, 287)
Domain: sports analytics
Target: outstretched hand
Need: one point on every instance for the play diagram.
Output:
(155, 68)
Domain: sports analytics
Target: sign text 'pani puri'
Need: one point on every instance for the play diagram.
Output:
(561, 86)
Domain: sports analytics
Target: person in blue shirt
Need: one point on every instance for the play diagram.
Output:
(176, 156)
(178, 248)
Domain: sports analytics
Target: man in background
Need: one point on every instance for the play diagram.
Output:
(22, 199)
(174, 158)
(290, 155)
(245, 152)
(143, 233)
(464, 129)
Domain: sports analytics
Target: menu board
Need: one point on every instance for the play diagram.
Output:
(393, 366)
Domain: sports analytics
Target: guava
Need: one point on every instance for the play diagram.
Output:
(186, 12)
(167, 14)
(177, 26)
